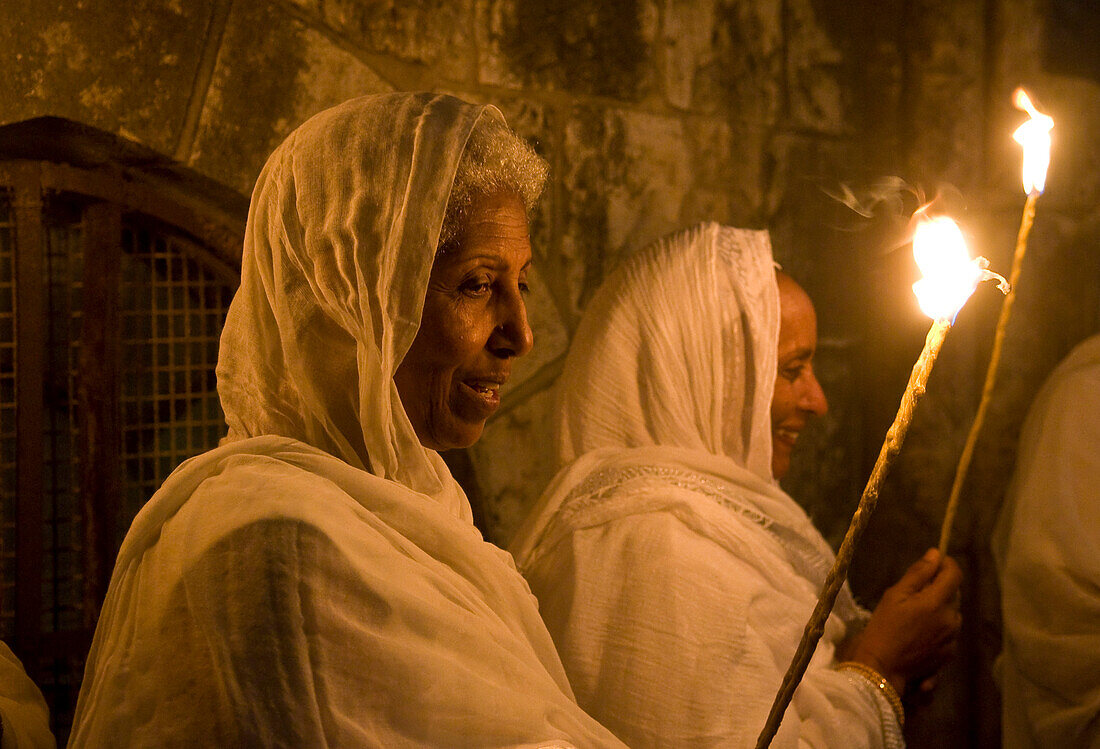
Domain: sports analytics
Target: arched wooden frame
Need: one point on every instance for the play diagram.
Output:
(106, 195)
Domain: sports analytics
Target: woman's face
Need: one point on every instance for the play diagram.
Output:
(798, 395)
(474, 324)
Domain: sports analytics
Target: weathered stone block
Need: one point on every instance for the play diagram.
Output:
(948, 132)
(625, 181)
(751, 170)
(742, 74)
(602, 49)
(267, 84)
(815, 237)
(126, 68)
(687, 46)
(813, 73)
(947, 103)
(437, 34)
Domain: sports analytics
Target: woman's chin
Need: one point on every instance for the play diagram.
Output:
(781, 463)
(456, 437)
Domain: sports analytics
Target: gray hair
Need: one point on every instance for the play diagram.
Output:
(495, 160)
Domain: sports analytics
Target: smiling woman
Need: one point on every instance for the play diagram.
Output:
(317, 580)
(474, 323)
(672, 571)
(798, 395)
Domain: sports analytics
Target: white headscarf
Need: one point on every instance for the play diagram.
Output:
(341, 237)
(23, 711)
(674, 363)
(679, 349)
(673, 573)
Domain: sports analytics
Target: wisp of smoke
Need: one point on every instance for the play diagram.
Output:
(893, 205)
(885, 197)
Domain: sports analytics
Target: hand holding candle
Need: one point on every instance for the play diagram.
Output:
(950, 277)
(1034, 136)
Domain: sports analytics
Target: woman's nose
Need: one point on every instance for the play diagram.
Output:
(513, 336)
(813, 397)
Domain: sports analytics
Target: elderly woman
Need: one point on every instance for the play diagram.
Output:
(673, 573)
(316, 580)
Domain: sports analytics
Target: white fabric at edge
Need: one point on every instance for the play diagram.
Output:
(22, 709)
(1047, 548)
(673, 574)
(316, 580)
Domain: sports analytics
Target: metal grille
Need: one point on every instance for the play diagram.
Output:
(172, 309)
(63, 531)
(171, 297)
(63, 541)
(7, 419)
(113, 297)
(172, 302)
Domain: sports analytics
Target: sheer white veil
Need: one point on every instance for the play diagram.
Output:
(672, 571)
(340, 241)
(678, 348)
(673, 369)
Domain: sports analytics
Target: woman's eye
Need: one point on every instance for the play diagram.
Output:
(524, 287)
(476, 286)
(791, 373)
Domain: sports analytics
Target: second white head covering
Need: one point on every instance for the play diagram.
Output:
(679, 349)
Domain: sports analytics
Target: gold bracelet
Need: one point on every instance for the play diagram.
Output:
(880, 682)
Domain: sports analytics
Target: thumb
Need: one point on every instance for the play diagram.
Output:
(920, 572)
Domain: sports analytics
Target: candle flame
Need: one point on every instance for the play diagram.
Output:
(1034, 136)
(950, 276)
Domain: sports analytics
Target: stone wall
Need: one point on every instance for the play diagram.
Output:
(656, 114)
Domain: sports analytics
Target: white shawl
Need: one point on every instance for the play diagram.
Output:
(672, 572)
(316, 581)
(1047, 549)
(23, 713)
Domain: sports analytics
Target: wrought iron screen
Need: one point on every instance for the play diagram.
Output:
(173, 307)
(7, 418)
(111, 304)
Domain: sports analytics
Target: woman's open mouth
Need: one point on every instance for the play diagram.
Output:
(482, 395)
(785, 436)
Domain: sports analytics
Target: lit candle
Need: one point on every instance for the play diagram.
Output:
(1034, 137)
(949, 278)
